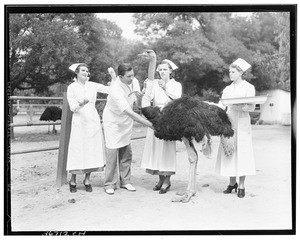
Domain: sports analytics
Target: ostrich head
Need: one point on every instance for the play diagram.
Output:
(152, 114)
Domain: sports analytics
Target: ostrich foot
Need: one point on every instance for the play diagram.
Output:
(183, 196)
(181, 193)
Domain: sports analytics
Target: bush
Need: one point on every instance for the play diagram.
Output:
(210, 96)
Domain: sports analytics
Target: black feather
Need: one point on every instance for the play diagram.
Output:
(188, 117)
(51, 113)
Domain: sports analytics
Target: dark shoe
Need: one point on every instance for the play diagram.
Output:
(88, 187)
(241, 192)
(230, 188)
(164, 190)
(160, 183)
(157, 187)
(72, 188)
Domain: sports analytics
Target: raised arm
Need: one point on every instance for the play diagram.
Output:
(112, 73)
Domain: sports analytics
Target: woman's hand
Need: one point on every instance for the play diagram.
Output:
(237, 107)
(242, 107)
(248, 107)
(85, 101)
(162, 84)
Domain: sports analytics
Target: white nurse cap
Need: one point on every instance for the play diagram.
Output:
(74, 66)
(173, 66)
(242, 64)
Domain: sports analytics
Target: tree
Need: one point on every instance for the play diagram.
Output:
(282, 31)
(202, 44)
(41, 47)
(273, 66)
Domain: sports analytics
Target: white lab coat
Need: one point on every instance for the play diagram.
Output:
(86, 145)
(117, 124)
(159, 155)
(242, 162)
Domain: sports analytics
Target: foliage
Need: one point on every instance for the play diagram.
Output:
(204, 44)
(273, 67)
(43, 45)
(210, 96)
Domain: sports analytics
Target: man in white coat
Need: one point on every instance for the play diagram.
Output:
(118, 119)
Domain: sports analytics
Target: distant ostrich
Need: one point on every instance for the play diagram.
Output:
(51, 113)
(187, 119)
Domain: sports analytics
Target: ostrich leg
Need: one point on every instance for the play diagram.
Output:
(54, 131)
(193, 158)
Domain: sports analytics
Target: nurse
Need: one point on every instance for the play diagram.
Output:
(118, 118)
(241, 163)
(86, 152)
(159, 156)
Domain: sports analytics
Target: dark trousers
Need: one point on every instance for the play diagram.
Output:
(118, 164)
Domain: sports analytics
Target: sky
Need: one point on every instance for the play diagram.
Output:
(124, 21)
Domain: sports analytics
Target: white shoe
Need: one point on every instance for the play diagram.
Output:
(129, 187)
(110, 191)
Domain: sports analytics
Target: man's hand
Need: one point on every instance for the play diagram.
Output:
(137, 94)
(112, 73)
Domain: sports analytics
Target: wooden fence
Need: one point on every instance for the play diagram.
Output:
(65, 130)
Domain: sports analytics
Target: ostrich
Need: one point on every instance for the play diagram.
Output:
(51, 113)
(187, 119)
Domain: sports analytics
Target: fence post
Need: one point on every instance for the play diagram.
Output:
(11, 114)
(65, 130)
(30, 113)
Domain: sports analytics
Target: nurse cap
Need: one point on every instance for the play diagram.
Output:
(74, 66)
(173, 66)
(242, 64)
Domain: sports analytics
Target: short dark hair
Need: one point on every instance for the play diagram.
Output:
(123, 68)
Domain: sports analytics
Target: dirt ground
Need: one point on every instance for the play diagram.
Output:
(38, 205)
